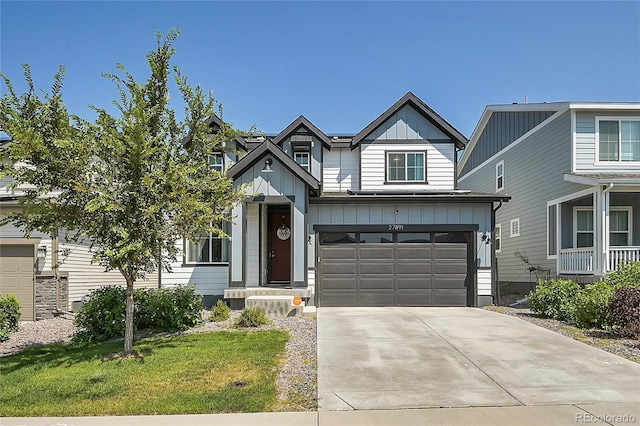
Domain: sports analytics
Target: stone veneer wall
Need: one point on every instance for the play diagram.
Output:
(51, 294)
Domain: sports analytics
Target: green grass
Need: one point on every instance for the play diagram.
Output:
(197, 373)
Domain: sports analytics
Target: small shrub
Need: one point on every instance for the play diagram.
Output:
(101, 316)
(554, 298)
(9, 316)
(627, 274)
(252, 317)
(220, 312)
(592, 305)
(625, 310)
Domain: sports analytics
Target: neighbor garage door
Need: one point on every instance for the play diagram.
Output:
(16, 276)
(394, 269)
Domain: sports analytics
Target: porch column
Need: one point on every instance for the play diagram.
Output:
(606, 203)
(601, 232)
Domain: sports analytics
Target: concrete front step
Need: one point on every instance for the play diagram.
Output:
(242, 293)
(275, 306)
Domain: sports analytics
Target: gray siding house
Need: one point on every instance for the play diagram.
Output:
(371, 219)
(573, 172)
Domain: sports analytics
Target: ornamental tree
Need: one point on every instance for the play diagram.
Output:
(126, 182)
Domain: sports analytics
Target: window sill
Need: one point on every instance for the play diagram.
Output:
(409, 182)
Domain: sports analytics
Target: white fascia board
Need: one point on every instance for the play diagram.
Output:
(582, 180)
(591, 181)
(605, 105)
(512, 144)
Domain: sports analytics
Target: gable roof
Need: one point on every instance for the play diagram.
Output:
(269, 148)
(302, 121)
(423, 109)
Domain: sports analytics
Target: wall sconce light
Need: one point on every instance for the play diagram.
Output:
(42, 252)
(267, 166)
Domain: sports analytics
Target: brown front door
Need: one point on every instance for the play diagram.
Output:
(279, 255)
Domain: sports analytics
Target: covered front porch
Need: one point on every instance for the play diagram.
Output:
(595, 229)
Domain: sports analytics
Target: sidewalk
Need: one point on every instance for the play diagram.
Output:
(603, 413)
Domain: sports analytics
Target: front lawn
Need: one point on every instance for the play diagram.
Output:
(197, 373)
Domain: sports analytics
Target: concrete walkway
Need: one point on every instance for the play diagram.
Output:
(413, 358)
(609, 413)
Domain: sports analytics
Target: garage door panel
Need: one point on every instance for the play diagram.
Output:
(413, 268)
(413, 251)
(340, 252)
(385, 253)
(339, 299)
(16, 277)
(376, 267)
(338, 268)
(451, 282)
(450, 267)
(375, 298)
(417, 282)
(413, 299)
(449, 299)
(331, 283)
(375, 282)
(450, 251)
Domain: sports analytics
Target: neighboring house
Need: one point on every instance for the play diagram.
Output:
(573, 172)
(371, 219)
(28, 266)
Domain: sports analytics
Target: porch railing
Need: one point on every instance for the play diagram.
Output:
(576, 261)
(580, 261)
(617, 255)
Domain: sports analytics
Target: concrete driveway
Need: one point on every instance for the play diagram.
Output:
(393, 358)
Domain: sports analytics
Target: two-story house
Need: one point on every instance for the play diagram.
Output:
(367, 219)
(573, 172)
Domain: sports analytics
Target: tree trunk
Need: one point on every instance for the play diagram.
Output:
(128, 318)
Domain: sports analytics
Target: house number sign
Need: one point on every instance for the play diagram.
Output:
(283, 232)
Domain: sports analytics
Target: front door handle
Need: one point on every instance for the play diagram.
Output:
(273, 254)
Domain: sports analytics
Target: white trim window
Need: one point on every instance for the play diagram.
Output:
(208, 248)
(620, 226)
(500, 176)
(514, 227)
(497, 238)
(618, 140)
(582, 227)
(302, 158)
(216, 161)
(406, 166)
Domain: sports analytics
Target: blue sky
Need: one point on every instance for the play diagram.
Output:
(340, 64)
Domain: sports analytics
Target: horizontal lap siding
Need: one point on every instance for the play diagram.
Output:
(533, 175)
(85, 277)
(209, 280)
(585, 144)
(440, 165)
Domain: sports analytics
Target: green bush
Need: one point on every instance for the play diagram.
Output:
(9, 316)
(627, 274)
(625, 310)
(220, 312)
(554, 298)
(102, 316)
(592, 304)
(252, 317)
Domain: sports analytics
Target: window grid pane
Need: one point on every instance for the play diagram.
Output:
(609, 142)
(630, 136)
(405, 167)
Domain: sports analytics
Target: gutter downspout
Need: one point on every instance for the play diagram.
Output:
(494, 259)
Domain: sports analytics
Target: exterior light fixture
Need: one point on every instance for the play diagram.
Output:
(267, 166)
(42, 252)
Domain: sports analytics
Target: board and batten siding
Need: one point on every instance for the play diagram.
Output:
(405, 124)
(503, 128)
(281, 182)
(315, 157)
(409, 214)
(585, 144)
(439, 160)
(533, 175)
(340, 170)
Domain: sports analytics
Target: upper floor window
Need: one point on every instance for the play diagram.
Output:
(619, 140)
(405, 167)
(208, 248)
(216, 162)
(302, 158)
(500, 176)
